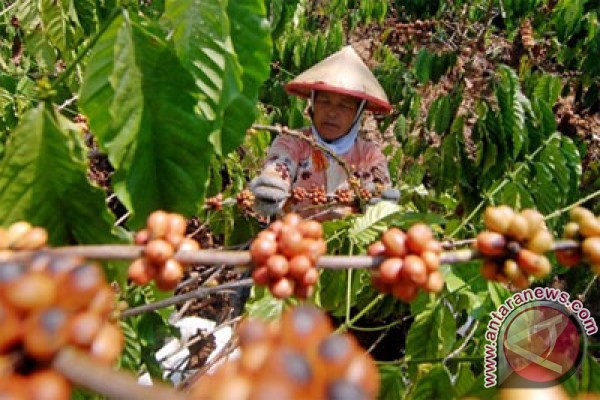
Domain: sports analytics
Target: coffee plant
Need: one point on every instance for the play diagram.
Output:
(126, 146)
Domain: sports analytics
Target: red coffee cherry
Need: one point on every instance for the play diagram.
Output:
(158, 251)
(48, 385)
(394, 241)
(107, 344)
(417, 238)
(169, 275)
(491, 243)
(83, 328)
(261, 249)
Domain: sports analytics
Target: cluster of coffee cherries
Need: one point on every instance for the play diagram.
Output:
(285, 254)
(245, 199)
(297, 357)
(514, 246)
(163, 236)
(47, 303)
(584, 227)
(412, 261)
(22, 235)
(215, 202)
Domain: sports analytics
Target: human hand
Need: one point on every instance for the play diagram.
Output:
(270, 194)
(392, 195)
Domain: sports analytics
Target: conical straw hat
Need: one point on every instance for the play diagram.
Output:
(345, 73)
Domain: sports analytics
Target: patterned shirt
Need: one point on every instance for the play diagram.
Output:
(301, 165)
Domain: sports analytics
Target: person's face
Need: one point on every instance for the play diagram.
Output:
(333, 114)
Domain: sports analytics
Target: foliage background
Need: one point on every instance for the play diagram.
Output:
(169, 88)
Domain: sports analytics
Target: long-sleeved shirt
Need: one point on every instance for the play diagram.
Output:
(301, 165)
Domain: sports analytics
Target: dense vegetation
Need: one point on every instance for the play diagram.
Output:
(113, 109)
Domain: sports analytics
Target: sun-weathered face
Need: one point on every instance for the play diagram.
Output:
(333, 114)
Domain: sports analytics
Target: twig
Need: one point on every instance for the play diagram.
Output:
(201, 292)
(242, 259)
(88, 373)
(588, 287)
(460, 348)
(571, 206)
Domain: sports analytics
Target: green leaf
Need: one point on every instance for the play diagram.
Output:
(153, 138)
(262, 305)
(568, 14)
(201, 35)
(432, 334)
(514, 107)
(43, 180)
(548, 89)
(251, 37)
(392, 387)
(423, 66)
(590, 380)
(366, 228)
(464, 381)
(435, 385)
(332, 291)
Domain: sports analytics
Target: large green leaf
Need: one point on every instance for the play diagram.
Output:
(366, 228)
(251, 36)
(43, 180)
(514, 108)
(143, 116)
(392, 386)
(432, 334)
(201, 35)
(435, 385)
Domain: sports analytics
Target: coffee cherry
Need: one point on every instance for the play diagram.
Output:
(141, 271)
(311, 229)
(394, 241)
(414, 270)
(107, 344)
(571, 230)
(431, 260)
(580, 214)
(568, 258)
(169, 275)
(176, 226)
(48, 385)
(83, 328)
(491, 243)
(157, 224)
(277, 266)
(304, 325)
(498, 219)
(540, 242)
(10, 271)
(518, 228)
(310, 277)
(299, 266)
(260, 275)
(376, 249)
(103, 302)
(535, 221)
(589, 227)
(45, 333)
(435, 282)
(141, 237)
(533, 263)
(281, 288)
(16, 232)
(261, 249)
(417, 238)
(158, 251)
(489, 270)
(11, 331)
(33, 239)
(81, 284)
(188, 244)
(292, 219)
(290, 242)
(303, 291)
(344, 390)
(389, 269)
(363, 372)
(511, 269)
(405, 290)
(33, 291)
(590, 248)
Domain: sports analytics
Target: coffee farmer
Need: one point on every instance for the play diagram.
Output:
(339, 88)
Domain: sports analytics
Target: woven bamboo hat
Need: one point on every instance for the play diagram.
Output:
(343, 72)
